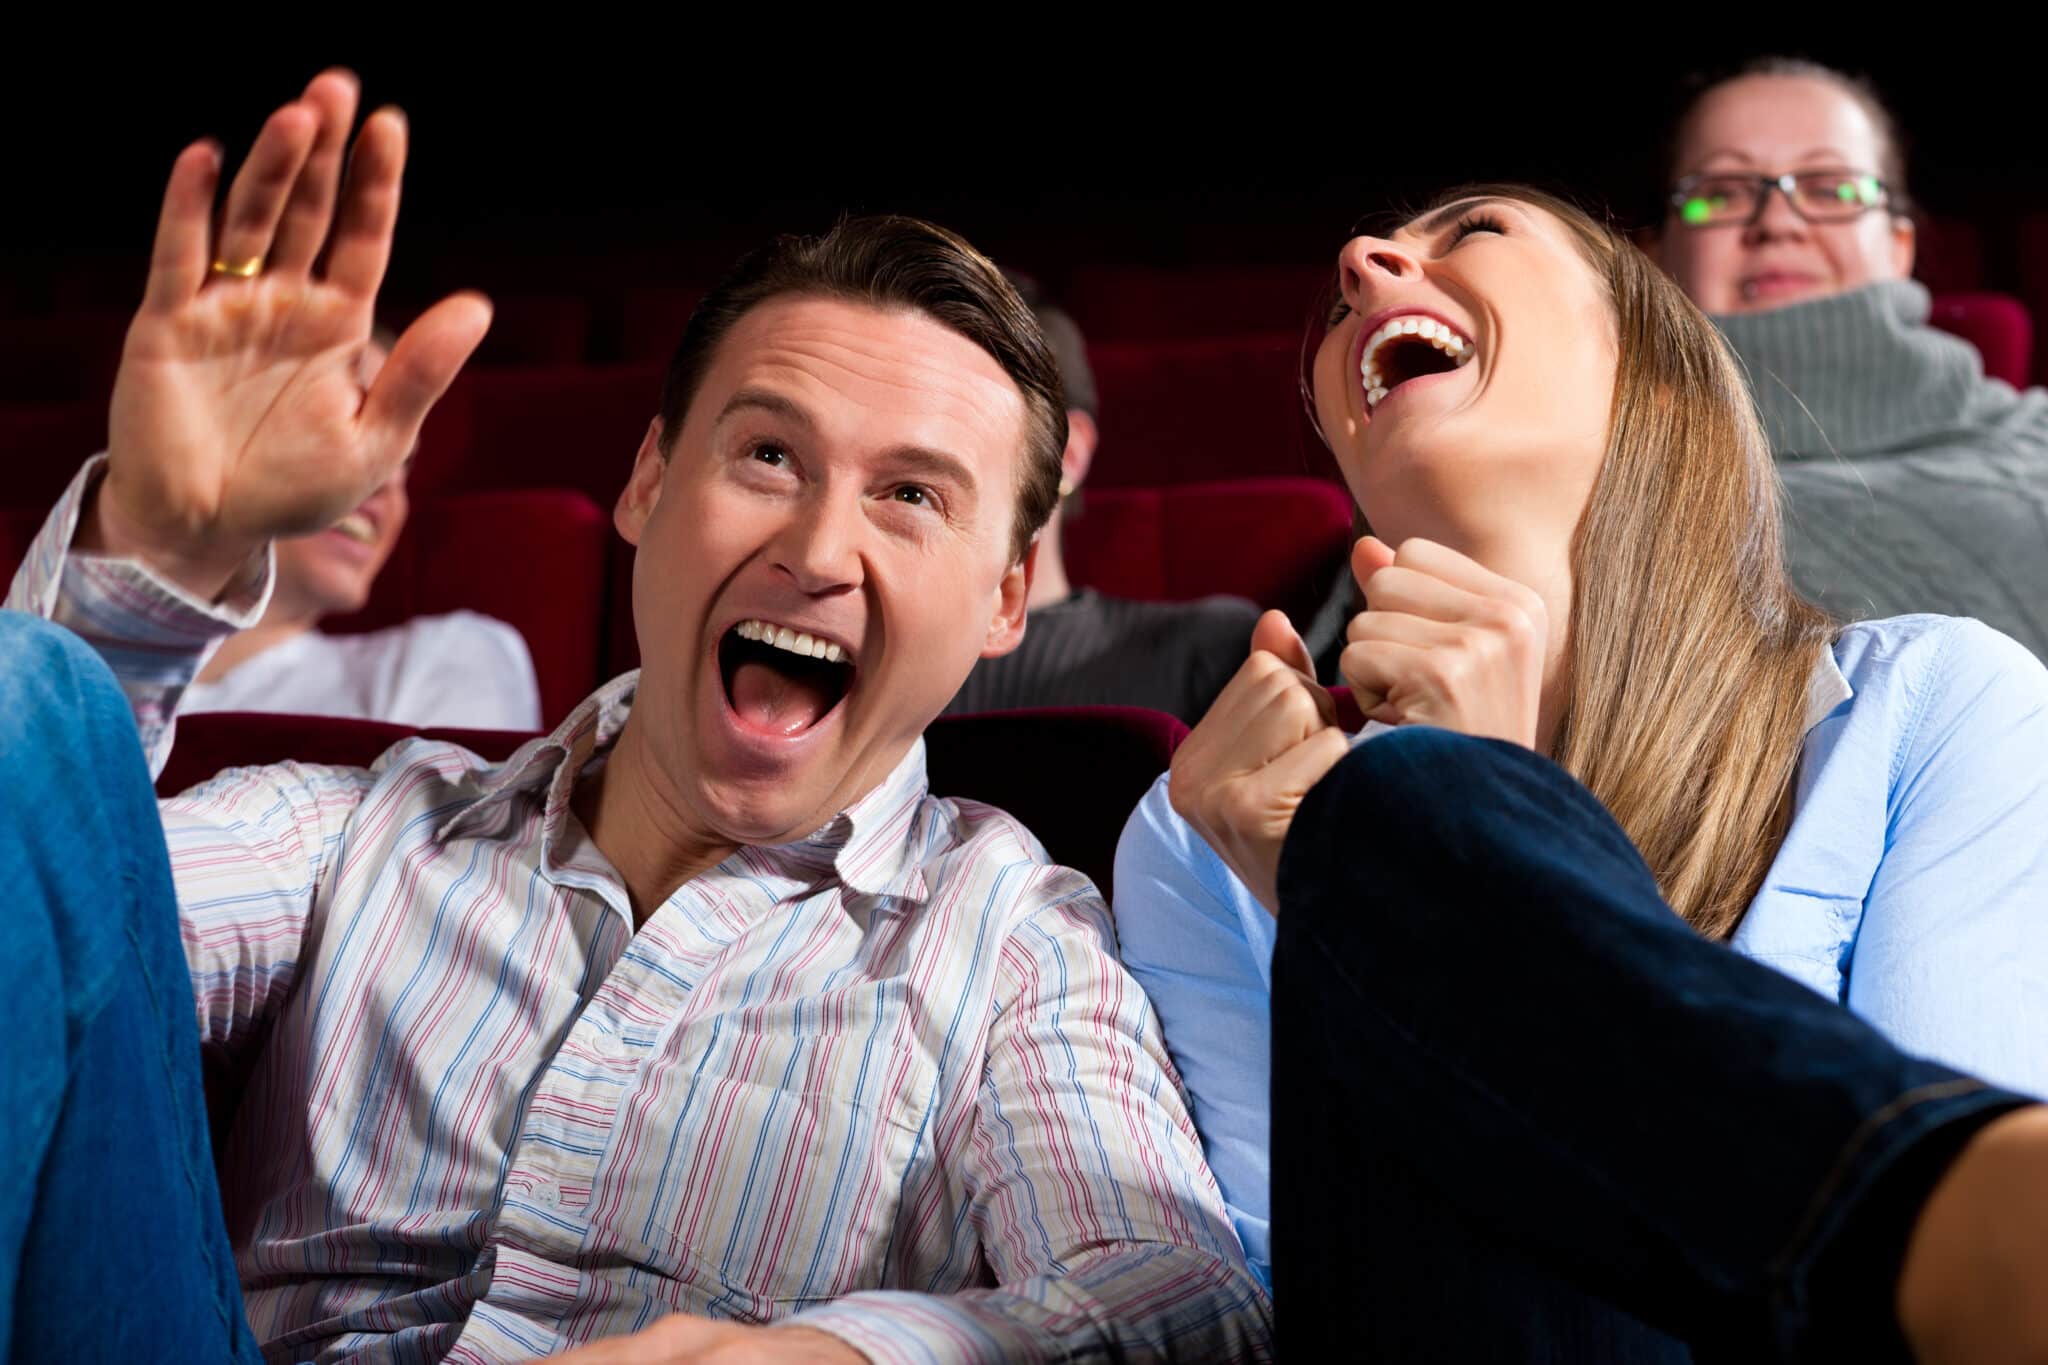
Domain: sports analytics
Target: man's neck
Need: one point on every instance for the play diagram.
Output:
(245, 645)
(640, 829)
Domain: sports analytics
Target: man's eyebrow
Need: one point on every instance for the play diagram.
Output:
(936, 465)
(1437, 221)
(764, 400)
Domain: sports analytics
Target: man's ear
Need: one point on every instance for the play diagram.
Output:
(643, 486)
(1006, 629)
(1082, 435)
(1905, 245)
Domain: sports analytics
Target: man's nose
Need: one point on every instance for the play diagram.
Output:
(819, 546)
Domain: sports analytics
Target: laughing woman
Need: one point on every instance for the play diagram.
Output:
(1525, 1103)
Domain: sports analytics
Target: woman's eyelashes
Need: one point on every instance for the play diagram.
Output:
(1474, 222)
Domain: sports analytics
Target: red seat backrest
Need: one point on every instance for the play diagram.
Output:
(18, 527)
(1178, 412)
(575, 426)
(1273, 540)
(536, 329)
(1131, 302)
(651, 321)
(1949, 256)
(535, 558)
(43, 444)
(68, 358)
(1998, 325)
(2030, 239)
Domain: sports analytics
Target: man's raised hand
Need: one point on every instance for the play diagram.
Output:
(239, 410)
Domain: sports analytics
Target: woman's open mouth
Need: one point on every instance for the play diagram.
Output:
(782, 681)
(1410, 346)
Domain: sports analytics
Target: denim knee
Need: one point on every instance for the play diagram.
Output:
(53, 689)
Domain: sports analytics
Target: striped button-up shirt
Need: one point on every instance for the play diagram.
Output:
(890, 1081)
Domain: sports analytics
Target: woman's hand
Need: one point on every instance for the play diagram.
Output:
(1444, 641)
(1270, 736)
(240, 412)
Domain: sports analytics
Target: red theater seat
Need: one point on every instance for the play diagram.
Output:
(1115, 303)
(18, 527)
(69, 358)
(43, 444)
(531, 557)
(1998, 325)
(1178, 412)
(1273, 540)
(536, 329)
(2031, 241)
(1024, 762)
(651, 322)
(574, 426)
(1949, 256)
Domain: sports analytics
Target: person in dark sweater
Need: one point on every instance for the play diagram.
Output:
(1082, 647)
(1913, 483)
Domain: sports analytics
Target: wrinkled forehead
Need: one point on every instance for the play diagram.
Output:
(885, 373)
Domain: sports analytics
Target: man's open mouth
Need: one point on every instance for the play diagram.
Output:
(781, 680)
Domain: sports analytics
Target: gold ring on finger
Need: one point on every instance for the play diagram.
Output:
(241, 270)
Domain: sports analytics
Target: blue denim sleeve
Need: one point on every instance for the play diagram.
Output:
(1951, 958)
(1202, 947)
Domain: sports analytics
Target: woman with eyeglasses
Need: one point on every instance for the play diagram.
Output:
(1913, 483)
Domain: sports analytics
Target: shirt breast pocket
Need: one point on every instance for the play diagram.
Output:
(789, 1137)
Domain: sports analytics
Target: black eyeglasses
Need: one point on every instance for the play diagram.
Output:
(1732, 199)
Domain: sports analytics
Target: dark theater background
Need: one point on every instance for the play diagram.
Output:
(1184, 197)
(647, 159)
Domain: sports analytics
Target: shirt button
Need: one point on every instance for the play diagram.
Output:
(548, 1195)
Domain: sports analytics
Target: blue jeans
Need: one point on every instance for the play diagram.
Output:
(1521, 1112)
(112, 1246)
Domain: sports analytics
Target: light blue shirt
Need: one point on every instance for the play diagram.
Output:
(1911, 887)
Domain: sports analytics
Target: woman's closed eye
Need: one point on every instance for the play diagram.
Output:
(1474, 222)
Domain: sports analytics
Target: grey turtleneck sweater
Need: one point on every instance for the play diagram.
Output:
(1912, 482)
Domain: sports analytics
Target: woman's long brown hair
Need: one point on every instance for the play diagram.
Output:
(1690, 654)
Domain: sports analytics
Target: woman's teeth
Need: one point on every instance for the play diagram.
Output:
(795, 641)
(1441, 335)
(358, 527)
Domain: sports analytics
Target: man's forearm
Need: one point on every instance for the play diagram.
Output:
(154, 635)
(1136, 1302)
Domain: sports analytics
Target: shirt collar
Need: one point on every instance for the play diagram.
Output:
(552, 761)
(872, 846)
(1826, 689)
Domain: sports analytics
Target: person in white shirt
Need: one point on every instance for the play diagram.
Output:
(460, 668)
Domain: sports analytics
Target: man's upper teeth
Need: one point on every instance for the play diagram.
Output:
(1441, 335)
(795, 641)
(356, 526)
